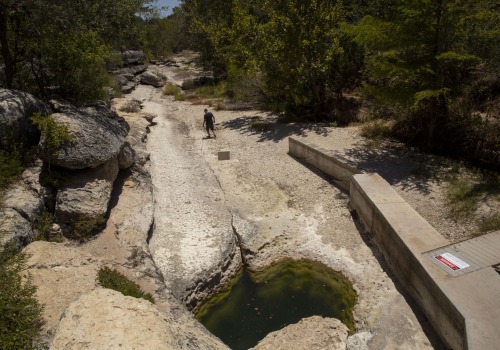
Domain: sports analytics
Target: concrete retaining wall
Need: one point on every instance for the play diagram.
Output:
(323, 160)
(465, 314)
(402, 235)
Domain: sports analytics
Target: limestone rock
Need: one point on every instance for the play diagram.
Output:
(153, 79)
(121, 80)
(133, 57)
(359, 341)
(312, 333)
(16, 107)
(14, 227)
(133, 70)
(86, 194)
(105, 319)
(126, 158)
(127, 88)
(128, 76)
(98, 136)
(137, 137)
(61, 274)
(24, 200)
(31, 177)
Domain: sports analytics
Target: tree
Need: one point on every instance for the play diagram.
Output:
(62, 45)
(295, 47)
(424, 57)
(21, 321)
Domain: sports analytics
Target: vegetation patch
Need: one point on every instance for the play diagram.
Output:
(377, 129)
(213, 91)
(490, 224)
(171, 89)
(260, 126)
(54, 136)
(112, 279)
(21, 321)
(132, 106)
(466, 193)
(188, 84)
(43, 227)
(85, 227)
(10, 168)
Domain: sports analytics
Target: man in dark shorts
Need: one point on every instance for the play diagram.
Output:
(208, 122)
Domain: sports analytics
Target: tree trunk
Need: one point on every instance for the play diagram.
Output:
(6, 54)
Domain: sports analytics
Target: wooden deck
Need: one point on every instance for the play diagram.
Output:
(471, 255)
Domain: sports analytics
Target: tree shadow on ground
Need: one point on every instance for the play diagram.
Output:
(399, 165)
(268, 129)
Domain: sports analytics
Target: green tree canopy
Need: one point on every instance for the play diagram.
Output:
(62, 45)
(425, 57)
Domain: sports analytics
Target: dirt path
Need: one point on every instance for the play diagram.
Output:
(278, 206)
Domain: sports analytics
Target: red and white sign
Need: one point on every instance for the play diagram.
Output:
(452, 261)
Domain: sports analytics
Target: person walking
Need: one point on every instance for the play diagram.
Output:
(209, 122)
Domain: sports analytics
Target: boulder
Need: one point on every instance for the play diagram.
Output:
(61, 274)
(133, 57)
(106, 319)
(16, 107)
(21, 198)
(312, 333)
(86, 194)
(127, 88)
(129, 76)
(133, 70)
(98, 136)
(32, 178)
(153, 79)
(13, 227)
(126, 158)
(121, 80)
(137, 136)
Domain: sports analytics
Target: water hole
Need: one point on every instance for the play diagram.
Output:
(254, 304)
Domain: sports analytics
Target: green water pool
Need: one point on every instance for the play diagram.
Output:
(257, 303)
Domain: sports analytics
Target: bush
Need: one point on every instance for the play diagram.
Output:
(377, 129)
(188, 84)
(171, 89)
(179, 97)
(112, 279)
(10, 168)
(132, 106)
(489, 224)
(54, 136)
(21, 319)
(85, 227)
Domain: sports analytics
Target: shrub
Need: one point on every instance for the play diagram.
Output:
(489, 224)
(21, 319)
(83, 228)
(219, 106)
(171, 89)
(10, 168)
(43, 227)
(179, 97)
(188, 84)
(54, 135)
(132, 106)
(377, 129)
(55, 178)
(260, 126)
(112, 279)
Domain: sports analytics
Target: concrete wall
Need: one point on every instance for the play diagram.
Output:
(323, 160)
(463, 310)
(402, 235)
